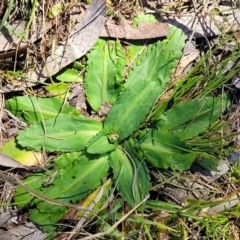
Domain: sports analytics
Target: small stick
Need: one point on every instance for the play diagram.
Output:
(111, 229)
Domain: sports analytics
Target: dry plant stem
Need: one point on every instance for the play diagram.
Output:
(195, 26)
(18, 183)
(131, 63)
(26, 30)
(21, 123)
(111, 229)
(186, 227)
(1, 7)
(79, 225)
(14, 52)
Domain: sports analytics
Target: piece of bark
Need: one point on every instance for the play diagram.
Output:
(28, 231)
(143, 31)
(13, 52)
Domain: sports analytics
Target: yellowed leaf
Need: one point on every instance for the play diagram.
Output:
(23, 156)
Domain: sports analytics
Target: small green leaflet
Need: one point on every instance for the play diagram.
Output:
(69, 75)
(59, 90)
(100, 144)
(143, 18)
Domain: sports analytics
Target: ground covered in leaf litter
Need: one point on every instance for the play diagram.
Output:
(167, 185)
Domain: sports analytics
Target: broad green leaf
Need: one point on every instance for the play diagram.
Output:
(188, 119)
(131, 109)
(159, 61)
(207, 161)
(22, 197)
(54, 10)
(76, 181)
(123, 171)
(41, 179)
(164, 150)
(131, 176)
(143, 18)
(69, 75)
(58, 90)
(34, 109)
(47, 220)
(134, 53)
(71, 185)
(100, 144)
(103, 79)
(65, 133)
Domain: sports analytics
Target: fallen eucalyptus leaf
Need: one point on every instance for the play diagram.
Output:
(79, 42)
(143, 31)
